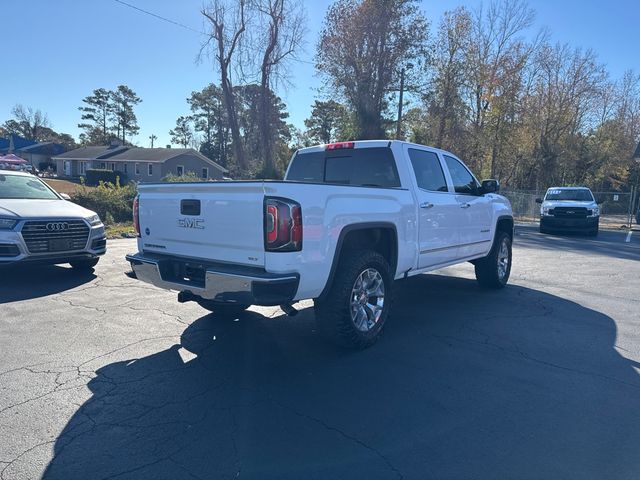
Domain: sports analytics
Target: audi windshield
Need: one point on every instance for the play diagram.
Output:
(24, 187)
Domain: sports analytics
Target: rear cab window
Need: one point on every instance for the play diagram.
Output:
(363, 167)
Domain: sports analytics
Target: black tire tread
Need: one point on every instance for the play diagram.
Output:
(486, 268)
(332, 313)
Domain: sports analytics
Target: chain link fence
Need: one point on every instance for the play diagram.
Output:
(614, 209)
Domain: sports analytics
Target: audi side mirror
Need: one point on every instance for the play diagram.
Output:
(538, 200)
(490, 186)
(65, 196)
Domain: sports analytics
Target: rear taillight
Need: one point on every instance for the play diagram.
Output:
(282, 225)
(136, 216)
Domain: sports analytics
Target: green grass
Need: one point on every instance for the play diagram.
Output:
(119, 230)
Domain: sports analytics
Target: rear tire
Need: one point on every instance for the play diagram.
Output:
(354, 311)
(493, 270)
(226, 310)
(85, 265)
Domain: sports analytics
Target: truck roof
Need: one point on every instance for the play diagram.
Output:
(367, 144)
(569, 188)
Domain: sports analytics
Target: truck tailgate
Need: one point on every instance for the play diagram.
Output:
(217, 221)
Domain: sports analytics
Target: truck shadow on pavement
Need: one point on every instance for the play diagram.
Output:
(465, 383)
(21, 282)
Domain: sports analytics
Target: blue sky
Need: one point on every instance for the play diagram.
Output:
(56, 52)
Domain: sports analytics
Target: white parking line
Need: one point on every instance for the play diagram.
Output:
(628, 239)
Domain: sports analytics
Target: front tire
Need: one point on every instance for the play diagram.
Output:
(354, 311)
(85, 265)
(493, 270)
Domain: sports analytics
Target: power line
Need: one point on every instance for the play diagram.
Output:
(178, 24)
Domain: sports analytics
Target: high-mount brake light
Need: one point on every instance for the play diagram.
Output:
(136, 214)
(339, 145)
(282, 225)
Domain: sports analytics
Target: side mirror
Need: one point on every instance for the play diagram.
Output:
(538, 200)
(65, 196)
(490, 186)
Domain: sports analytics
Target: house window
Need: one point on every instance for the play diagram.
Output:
(124, 168)
(137, 169)
(205, 173)
(180, 170)
(103, 166)
(83, 168)
(150, 169)
(113, 167)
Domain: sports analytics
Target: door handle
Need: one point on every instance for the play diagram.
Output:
(465, 205)
(426, 205)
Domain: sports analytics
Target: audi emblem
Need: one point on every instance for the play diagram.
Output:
(57, 226)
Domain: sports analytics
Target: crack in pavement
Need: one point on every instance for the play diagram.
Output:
(356, 440)
(2, 477)
(77, 305)
(177, 318)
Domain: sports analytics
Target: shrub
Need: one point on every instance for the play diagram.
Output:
(186, 177)
(113, 202)
(94, 176)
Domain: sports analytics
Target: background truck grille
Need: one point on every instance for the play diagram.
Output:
(570, 212)
(55, 235)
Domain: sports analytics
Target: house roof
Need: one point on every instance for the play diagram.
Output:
(18, 142)
(134, 154)
(90, 153)
(43, 148)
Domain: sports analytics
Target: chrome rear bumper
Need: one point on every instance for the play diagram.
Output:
(214, 281)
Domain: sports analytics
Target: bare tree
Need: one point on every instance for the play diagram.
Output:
(451, 45)
(281, 33)
(495, 62)
(228, 23)
(31, 122)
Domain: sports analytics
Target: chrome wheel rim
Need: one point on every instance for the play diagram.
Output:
(367, 300)
(503, 259)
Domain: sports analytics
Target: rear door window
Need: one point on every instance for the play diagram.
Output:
(428, 170)
(371, 167)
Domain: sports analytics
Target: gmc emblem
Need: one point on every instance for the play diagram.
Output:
(191, 223)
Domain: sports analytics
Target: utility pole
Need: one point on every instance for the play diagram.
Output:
(409, 66)
(152, 137)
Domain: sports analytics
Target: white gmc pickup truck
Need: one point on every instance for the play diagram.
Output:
(348, 219)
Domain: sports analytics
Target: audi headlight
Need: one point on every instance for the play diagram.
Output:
(94, 220)
(7, 223)
(595, 211)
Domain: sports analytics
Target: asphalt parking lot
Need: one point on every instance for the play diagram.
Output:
(104, 377)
